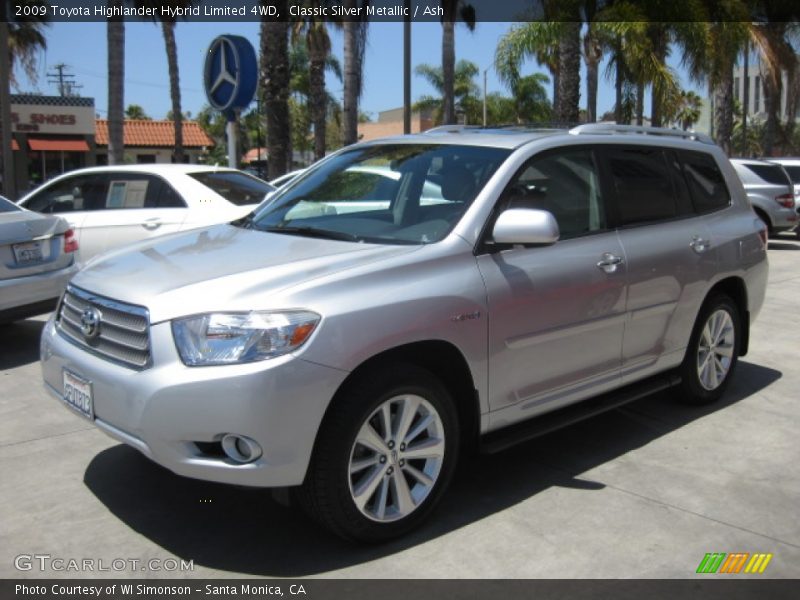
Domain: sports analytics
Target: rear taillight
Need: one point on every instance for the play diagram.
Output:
(70, 241)
(785, 200)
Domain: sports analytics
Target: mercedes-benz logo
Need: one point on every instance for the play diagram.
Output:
(220, 71)
(224, 74)
(90, 323)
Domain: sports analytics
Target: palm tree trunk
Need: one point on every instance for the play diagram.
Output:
(772, 101)
(275, 87)
(317, 96)
(168, 28)
(354, 42)
(723, 109)
(116, 86)
(592, 55)
(656, 99)
(619, 79)
(569, 78)
(448, 69)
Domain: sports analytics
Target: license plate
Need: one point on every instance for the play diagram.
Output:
(78, 394)
(29, 252)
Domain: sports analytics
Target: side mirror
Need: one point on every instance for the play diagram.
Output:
(525, 226)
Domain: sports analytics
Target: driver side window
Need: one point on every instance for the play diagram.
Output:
(564, 183)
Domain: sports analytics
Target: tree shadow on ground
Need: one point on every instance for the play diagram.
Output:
(19, 343)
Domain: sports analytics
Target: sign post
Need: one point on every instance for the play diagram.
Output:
(229, 78)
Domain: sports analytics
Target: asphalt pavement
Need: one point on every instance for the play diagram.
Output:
(643, 491)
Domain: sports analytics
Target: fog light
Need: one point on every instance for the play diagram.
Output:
(240, 448)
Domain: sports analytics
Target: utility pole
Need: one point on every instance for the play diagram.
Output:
(65, 81)
(746, 99)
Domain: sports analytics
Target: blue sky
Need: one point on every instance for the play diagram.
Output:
(82, 46)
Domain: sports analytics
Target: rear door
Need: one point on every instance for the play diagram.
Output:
(136, 206)
(669, 253)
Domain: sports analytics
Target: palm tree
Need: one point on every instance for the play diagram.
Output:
(687, 111)
(274, 71)
(538, 40)
(116, 84)
(136, 112)
(355, 43)
(710, 55)
(452, 9)
(465, 90)
(318, 44)
(25, 39)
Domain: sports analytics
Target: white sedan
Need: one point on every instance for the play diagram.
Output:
(109, 207)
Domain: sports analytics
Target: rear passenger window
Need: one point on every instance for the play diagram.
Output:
(770, 173)
(83, 192)
(706, 183)
(643, 185)
(566, 184)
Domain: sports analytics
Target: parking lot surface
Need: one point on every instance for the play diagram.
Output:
(643, 491)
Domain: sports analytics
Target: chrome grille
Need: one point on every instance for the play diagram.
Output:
(123, 329)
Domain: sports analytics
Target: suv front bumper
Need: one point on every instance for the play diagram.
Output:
(163, 411)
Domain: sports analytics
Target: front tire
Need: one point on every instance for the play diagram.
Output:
(713, 351)
(385, 454)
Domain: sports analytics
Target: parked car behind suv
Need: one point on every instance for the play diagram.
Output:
(792, 167)
(353, 355)
(109, 207)
(770, 192)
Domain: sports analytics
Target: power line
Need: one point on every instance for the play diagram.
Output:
(64, 80)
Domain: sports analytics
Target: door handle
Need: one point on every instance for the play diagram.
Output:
(609, 262)
(699, 244)
(152, 223)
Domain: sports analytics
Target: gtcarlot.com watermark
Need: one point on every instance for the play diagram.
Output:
(48, 562)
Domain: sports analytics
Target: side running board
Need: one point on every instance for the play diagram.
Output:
(502, 439)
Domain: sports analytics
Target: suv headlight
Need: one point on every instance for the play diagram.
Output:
(231, 338)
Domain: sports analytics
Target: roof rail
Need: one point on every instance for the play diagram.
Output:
(608, 128)
(455, 128)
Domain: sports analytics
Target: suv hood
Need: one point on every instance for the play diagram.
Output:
(220, 268)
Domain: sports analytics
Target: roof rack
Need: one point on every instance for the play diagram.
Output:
(608, 128)
(455, 128)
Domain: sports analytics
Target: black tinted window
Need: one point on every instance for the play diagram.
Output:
(83, 192)
(706, 183)
(169, 198)
(770, 173)
(643, 185)
(794, 173)
(237, 188)
(565, 184)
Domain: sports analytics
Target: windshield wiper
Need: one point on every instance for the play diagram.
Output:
(317, 233)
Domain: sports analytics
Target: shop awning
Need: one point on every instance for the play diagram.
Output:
(56, 145)
(14, 145)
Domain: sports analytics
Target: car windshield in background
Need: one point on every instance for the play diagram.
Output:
(770, 173)
(237, 188)
(8, 206)
(395, 194)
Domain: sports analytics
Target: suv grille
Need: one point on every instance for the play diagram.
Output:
(111, 329)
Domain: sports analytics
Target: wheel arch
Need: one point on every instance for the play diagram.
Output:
(442, 359)
(735, 288)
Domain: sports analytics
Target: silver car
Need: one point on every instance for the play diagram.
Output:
(770, 192)
(37, 258)
(353, 355)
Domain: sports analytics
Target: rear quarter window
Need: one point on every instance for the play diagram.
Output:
(705, 181)
(237, 188)
(794, 173)
(770, 173)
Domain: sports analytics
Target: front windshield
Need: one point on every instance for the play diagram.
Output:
(395, 194)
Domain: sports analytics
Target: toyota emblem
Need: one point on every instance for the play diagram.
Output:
(90, 323)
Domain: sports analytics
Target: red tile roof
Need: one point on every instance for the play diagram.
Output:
(154, 134)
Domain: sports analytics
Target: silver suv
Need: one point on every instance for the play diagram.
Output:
(352, 337)
(770, 191)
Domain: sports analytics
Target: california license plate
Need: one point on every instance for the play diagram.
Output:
(28, 252)
(78, 394)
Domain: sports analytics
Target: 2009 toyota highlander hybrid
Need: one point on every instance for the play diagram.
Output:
(411, 297)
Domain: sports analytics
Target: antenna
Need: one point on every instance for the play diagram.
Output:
(64, 80)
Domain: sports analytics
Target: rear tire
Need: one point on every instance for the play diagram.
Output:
(384, 455)
(713, 351)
